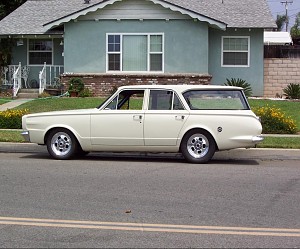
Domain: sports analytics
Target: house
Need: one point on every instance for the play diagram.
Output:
(116, 42)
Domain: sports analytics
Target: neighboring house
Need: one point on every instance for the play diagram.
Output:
(281, 63)
(115, 42)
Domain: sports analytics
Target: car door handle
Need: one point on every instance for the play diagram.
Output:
(138, 117)
(180, 117)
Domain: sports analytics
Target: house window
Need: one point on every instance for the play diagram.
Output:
(40, 51)
(235, 51)
(135, 52)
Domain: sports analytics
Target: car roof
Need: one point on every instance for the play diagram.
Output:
(181, 88)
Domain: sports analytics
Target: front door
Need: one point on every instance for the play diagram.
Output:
(121, 122)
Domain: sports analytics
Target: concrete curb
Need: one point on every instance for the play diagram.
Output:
(236, 154)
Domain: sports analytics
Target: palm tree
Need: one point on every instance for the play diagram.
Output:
(280, 21)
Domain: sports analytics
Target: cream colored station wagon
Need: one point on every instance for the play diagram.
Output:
(195, 120)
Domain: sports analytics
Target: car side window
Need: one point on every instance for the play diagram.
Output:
(127, 100)
(164, 100)
(216, 100)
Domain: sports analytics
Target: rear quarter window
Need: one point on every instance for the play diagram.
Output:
(216, 100)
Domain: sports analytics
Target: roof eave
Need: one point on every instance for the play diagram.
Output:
(95, 7)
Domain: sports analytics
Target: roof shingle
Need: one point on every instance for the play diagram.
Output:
(33, 14)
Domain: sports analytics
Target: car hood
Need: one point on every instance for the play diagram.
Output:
(64, 113)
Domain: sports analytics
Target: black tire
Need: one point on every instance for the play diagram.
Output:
(198, 146)
(62, 144)
(81, 153)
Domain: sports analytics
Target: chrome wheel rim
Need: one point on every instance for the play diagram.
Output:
(198, 145)
(61, 144)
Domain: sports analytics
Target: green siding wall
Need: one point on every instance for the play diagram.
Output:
(253, 74)
(186, 44)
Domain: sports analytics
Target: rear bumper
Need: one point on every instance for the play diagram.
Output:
(26, 136)
(257, 139)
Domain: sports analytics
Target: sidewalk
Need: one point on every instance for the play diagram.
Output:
(13, 104)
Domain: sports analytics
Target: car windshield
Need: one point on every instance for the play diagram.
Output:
(216, 100)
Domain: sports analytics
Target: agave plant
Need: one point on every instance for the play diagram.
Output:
(292, 91)
(240, 83)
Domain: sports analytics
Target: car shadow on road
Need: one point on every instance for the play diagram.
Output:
(146, 157)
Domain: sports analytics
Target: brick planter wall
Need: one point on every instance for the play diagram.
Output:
(278, 73)
(103, 84)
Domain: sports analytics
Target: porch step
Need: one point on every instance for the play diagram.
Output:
(28, 93)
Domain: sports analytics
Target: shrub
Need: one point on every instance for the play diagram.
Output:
(274, 121)
(76, 85)
(12, 119)
(292, 91)
(85, 93)
(240, 83)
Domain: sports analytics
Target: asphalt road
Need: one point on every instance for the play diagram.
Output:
(240, 199)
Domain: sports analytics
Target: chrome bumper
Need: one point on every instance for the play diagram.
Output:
(257, 139)
(25, 135)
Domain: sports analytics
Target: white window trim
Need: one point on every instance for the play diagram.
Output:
(52, 51)
(248, 51)
(148, 53)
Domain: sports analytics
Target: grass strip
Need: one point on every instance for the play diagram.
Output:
(13, 136)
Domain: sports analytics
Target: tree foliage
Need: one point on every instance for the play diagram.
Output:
(295, 30)
(280, 21)
(6, 7)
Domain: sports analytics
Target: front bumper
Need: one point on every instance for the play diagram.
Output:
(26, 136)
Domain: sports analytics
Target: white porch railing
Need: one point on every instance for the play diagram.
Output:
(33, 76)
(17, 80)
(53, 73)
(42, 79)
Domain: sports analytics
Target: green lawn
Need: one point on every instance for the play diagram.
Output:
(58, 104)
(3, 101)
(280, 143)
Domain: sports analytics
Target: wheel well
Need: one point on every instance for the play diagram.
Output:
(61, 129)
(199, 130)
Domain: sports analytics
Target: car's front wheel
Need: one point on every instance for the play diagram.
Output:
(198, 146)
(62, 144)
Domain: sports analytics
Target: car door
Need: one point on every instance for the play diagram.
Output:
(164, 118)
(121, 122)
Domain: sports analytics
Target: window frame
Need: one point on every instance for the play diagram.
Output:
(174, 95)
(121, 52)
(235, 51)
(40, 51)
(214, 97)
(119, 103)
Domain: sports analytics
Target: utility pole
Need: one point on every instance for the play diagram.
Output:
(286, 13)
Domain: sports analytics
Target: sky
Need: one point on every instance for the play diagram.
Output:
(278, 8)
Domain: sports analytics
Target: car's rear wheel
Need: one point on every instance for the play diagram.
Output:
(62, 144)
(198, 146)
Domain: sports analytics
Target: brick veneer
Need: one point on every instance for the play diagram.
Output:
(278, 73)
(104, 84)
